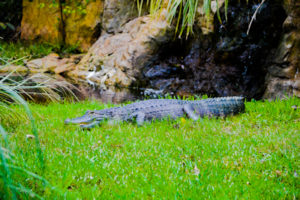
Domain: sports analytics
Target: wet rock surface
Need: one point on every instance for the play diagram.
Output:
(229, 62)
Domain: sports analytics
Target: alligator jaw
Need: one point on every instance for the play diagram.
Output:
(80, 120)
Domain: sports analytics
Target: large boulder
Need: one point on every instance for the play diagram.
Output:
(117, 60)
(53, 64)
(283, 77)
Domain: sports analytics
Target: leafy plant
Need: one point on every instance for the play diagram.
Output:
(9, 169)
(13, 171)
(184, 11)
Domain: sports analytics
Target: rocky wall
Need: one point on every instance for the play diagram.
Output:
(283, 78)
(117, 13)
(220, 59)
(82, 22)
(75, 23)
(41, 21)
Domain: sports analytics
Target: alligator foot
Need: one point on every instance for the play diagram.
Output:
(190, 111)
(89, 126)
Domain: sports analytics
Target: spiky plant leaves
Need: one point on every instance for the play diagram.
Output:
(10, 169)
(183, 10)
(12, 188)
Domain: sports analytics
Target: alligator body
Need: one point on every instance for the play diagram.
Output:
(149, 110)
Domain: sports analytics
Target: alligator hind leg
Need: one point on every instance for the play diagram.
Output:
(190, 111)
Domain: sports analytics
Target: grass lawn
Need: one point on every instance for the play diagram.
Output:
(254, 155)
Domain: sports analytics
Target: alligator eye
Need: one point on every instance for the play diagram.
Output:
(91, 112)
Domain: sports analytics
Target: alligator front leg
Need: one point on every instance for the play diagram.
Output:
(190, 111)
(139, 117)
(91, 125)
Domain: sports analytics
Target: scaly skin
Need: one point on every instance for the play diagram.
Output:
(149, 110)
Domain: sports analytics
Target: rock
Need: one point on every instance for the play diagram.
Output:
(82, 22)
(14, 69)
(278, 88)
(283, 77)
(118, 60)
(162, 71)
(41, 21)
(53, 64)
(153, 94)
(137, 51)
(228, 62)
(117, 13)
(45, 64)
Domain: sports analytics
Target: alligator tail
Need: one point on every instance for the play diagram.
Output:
(222, 106)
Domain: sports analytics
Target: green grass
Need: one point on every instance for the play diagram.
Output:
(254, 155)
(19, 52)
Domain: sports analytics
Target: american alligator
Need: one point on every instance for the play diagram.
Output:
(149, 110)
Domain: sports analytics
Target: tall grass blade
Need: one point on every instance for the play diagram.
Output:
(6, 172)
(17, 98)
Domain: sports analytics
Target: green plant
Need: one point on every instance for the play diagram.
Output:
(9, 170)
(13, 171)
(184, 11)
(18, 53)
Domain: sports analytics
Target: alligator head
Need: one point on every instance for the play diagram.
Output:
(90, 119)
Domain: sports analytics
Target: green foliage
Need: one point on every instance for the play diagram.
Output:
(12, 171)
(184, 11)
(9, 170)
(18, 52)
(69, 7)
(254, 155)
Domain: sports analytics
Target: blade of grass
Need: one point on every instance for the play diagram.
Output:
(14, 95)
(6, 176)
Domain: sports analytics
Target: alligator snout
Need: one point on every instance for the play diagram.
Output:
(68, 121)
